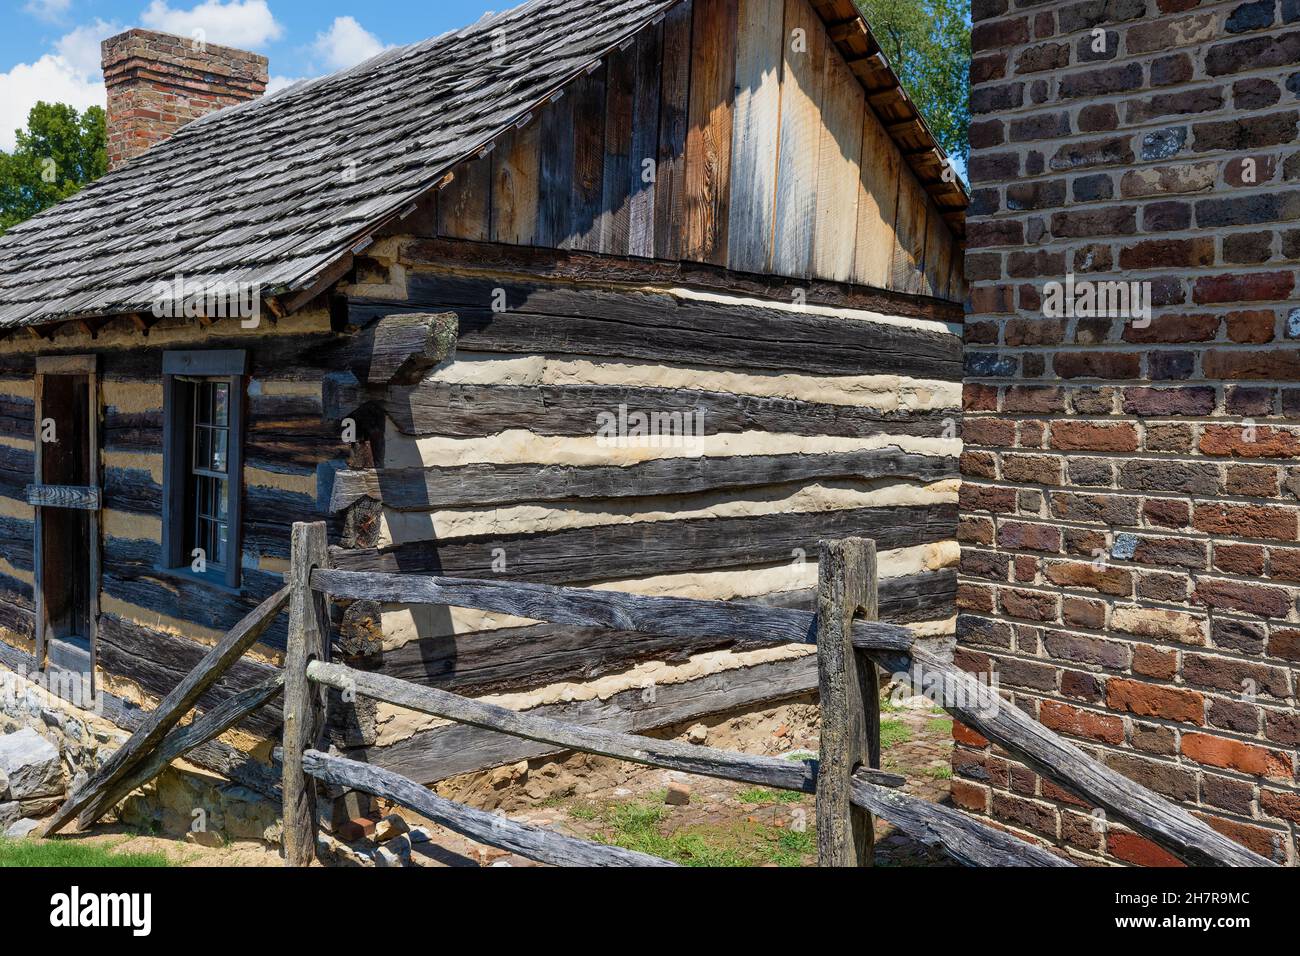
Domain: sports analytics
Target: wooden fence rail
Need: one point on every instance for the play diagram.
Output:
(846, 779)
(968, 839)
(848, 689)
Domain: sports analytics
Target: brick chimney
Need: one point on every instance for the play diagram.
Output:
(158, 82)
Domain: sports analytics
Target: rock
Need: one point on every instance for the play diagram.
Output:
(204, 838)
(679, 794)
(389, 827)
(22, 829)
(10, 813)
(396, 852)
(420, 835)
(698, 734)
(40, 806)
(4, 784)
(32, 765)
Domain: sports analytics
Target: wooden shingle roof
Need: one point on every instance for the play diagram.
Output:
(276, 191)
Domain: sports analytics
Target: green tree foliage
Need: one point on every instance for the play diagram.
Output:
(59, 152)
(928, 43)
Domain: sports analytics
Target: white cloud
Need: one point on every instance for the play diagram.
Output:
(246, 24)
(51, 10)
(346, 44)
(80, 48)
(53, 79)
(277, 83)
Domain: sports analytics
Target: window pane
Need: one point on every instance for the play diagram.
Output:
(219, 450)
(203, 405)
(219, 543)
(220, 403)
(208, 446)
(202, 447)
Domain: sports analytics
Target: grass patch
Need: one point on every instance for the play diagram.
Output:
(72, 853)
(942, 772)
(760, 795)
(940, 726)
(640, 826)
(893, 733)
(799, 756)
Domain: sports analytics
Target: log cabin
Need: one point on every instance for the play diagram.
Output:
(628, 294)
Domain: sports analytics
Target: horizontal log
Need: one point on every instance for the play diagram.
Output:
(181, 740)
(428, 756)
(532, 843)
(1149, 814)
(670, 754)
(487, 259)
(157, 662)
(17, 465)
(16, 537)
(131, 574)
(476, 485)
(399, 348)
(517, 658)
(172, 708)
(636, 549)
(532, 319)
(75, 497)
(474, 411)
(967, 839)
(17, 417)
(584, 607)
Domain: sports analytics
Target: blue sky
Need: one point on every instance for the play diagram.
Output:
(49, 49)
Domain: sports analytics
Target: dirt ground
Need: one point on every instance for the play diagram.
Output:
(692, 820)
(723, 823)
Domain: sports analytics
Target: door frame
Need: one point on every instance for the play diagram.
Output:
(87, 365)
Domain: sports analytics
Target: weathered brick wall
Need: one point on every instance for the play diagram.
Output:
(1130, 561)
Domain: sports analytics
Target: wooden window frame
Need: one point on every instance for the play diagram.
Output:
(231, 365)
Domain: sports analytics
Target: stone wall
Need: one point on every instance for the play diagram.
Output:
(1129, 510)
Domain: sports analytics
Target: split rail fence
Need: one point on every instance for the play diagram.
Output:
(849, 788)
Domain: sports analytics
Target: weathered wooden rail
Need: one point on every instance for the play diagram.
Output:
(846, 779)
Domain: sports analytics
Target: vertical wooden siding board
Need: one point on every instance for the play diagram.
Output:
(957, 275)
(801, 103)
(587, 188)
(708, 142)
(464, 207)
(909, 235)
(674, 119)
(938, 253)
(755, 136)
(839, 171)
(616, 182)
(516, 174)
(556, 168)
(645, 142)
(877, 205)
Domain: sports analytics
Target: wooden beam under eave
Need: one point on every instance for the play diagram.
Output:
(319, 285)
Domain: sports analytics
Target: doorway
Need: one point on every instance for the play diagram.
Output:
(65, 496)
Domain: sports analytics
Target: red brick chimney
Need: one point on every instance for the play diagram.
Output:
(158, 82)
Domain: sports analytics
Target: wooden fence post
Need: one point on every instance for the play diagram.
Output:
(304, 701)
(850, 700)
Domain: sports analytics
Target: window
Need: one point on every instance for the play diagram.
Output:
(203, 417)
